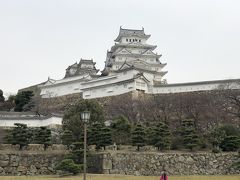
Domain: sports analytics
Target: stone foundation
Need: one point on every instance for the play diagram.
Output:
(152, 164)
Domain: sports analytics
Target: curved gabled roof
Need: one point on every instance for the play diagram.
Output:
(131, 32)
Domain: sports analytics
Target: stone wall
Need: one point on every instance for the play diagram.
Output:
(143, 163)
(32, 160)
(28, 163)
(35, 161)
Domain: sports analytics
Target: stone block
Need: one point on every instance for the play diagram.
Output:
(35, 147)
(22, 169)
(4, 157)
(3, 163)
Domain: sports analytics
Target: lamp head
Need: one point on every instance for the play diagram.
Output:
(85, 116)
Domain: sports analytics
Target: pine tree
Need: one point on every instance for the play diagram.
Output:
(138, 137)
(99, 135)
(21, 99)
(67, 138)
(150, 134)
(189, 135)
(72, 119)
(20, 135)
(43, 136)
(106, 138)
(121, 130)
(161, 136)
(95, 135)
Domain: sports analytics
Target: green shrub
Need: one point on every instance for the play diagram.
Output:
(231, 140)
(230, 143)
(68, 166)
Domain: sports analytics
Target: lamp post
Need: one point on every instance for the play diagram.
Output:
(85, 116)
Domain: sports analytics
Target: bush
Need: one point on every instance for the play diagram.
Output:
(176, 143)
(230, 130)
(230, 143)
(68, 166)
(216, 136)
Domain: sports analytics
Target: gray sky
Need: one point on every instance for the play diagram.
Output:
(199, 39)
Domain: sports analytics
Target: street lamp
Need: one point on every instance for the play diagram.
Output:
(85, 116)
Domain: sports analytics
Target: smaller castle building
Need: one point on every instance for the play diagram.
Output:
(131, 64)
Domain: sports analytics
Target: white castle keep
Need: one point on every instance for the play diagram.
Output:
(130, 65)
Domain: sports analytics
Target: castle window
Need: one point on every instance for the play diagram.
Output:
(139, 40)
(109, 90)
(127, 40)
(130, 40)
(87, 93)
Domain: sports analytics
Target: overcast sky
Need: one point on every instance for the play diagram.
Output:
(199, 39)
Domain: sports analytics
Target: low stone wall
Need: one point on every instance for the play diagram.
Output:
(28, 164)
(142, 163)
(34, 161)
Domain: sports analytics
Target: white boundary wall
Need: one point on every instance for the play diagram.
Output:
(31, 122)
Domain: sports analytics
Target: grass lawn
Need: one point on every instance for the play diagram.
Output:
(119, 177)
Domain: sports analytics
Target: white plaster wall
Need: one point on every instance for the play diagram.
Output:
(60, 89)
(185, 88)
(100, 87)
(149, 77)
(107, 80)
(141, 85)
(110, 90)
(32, 122)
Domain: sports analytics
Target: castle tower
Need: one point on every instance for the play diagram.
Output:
(83, 67)
(131, 47)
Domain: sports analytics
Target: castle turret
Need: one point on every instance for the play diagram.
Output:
(83, 67)
(131, 47)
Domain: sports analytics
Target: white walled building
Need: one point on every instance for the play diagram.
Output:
(8, 119)
(131, 64)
